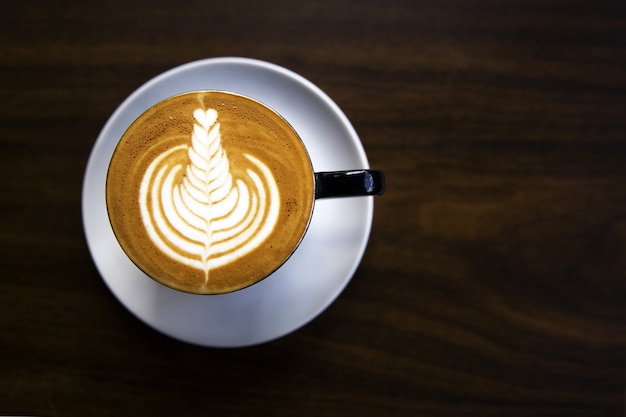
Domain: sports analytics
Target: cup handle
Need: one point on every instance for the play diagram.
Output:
(353, 183)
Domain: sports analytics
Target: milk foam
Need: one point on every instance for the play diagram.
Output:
(198, 213)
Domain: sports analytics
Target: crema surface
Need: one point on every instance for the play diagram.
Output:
(209, 192)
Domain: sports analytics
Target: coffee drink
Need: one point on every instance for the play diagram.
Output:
(209, 192)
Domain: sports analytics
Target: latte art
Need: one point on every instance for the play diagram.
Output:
(209, 192)
(198, 214)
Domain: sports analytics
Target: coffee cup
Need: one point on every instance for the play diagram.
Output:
(209, 192)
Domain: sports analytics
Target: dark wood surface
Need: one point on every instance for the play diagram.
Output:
(494, 282)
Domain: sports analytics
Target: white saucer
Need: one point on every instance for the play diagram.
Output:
(308, 282)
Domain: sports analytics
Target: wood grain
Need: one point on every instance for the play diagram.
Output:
(494, 282)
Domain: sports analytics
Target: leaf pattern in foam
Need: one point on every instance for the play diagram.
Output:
(208, 218)
(208, 178)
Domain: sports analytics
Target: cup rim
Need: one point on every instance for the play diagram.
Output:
(313, 180)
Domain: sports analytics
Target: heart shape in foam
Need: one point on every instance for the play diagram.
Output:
(205, 118)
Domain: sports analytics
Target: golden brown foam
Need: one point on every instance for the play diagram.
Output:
(175, 179)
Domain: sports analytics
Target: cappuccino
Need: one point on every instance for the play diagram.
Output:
(209, 192)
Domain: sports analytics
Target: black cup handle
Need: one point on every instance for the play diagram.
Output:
(360, 182)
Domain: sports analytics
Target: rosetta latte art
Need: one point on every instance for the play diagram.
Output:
(199, 213)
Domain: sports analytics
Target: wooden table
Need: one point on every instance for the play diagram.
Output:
(494, 282)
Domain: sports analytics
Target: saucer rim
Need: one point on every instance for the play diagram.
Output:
(356, 147)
